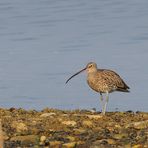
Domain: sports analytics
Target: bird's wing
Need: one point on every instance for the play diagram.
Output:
(112, 78)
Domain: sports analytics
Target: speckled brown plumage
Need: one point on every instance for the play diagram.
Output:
(103, 81)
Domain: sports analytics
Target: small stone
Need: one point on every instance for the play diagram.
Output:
(69, 145)
(127, 146)
(111, 141)
(42, 138)
(19, 126)
(137, 146)
(138, 125)
(96, 117)
(79, 131)
(29, 139)
(47, 114)
(69, 123)
(97, 143)
(4, 135)
(87, 123)
(71, 138)
(120, 136)
(55, 144)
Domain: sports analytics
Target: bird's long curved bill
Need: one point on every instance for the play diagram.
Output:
(76, 74)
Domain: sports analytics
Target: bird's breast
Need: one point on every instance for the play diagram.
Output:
(96, 82)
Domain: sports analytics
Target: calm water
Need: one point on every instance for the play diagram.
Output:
(43, 42)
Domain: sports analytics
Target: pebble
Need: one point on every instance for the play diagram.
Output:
(69, 123)
(19, 126)
(96, 117)
(47, 114)
(87, 123)
(120, 136)
(138, 125)
(111, 141)
(69, 145)
(26, 140)
(137, 146)
(42, 138)
(55, 144)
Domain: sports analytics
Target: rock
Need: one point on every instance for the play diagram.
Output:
(5, 136)
(69, 145)
(111, 141)
(96, 117)
(19, 126)
(87, 123)
(78, 131)
(99, 144)
(120, 136)
(127, 145)
(69, 123)
(137, 146)
(42, 138)
(71, 138)
(26, 140)
(55, 144)
(47, 114)
(139, 125)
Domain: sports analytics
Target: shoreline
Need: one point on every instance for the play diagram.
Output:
(55, 128)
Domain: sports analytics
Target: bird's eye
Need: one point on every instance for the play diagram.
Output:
(90, 66)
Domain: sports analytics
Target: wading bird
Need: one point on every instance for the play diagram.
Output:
(103, 81)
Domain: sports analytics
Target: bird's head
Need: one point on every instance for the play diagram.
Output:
(90, 67)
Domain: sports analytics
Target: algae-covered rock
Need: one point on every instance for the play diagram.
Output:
(26, 140)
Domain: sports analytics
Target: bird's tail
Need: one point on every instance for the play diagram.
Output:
(122, 90)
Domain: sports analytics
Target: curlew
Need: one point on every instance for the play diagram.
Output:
(103, 81)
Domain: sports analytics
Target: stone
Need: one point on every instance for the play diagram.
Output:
(71, 138)
(47, 114)
(78, 131)
(55, 144)
(137, 146)
(120, 136)
(111, 141)
(19, 126)
(69, 145)
(87, 123)
(42, 138)
(69, 123)
(29, 139)
(139, 125)
(96, 117)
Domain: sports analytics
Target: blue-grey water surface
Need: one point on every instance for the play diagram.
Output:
(44, 42)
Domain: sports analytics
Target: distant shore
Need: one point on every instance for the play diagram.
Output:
(55, 128)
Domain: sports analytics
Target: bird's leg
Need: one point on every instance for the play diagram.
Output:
(105, 104)
(101, 98)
